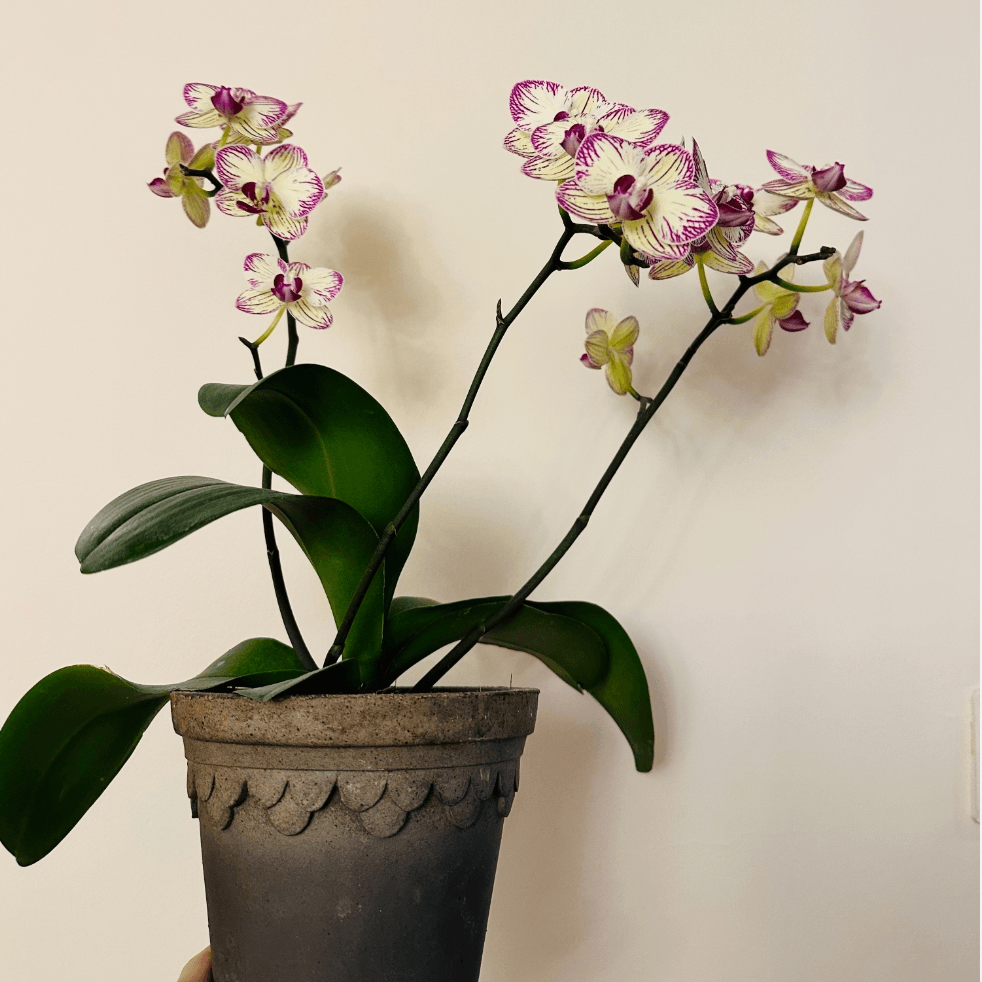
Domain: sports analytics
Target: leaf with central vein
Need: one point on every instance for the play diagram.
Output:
(327, 436)
(71, 733)
(338, 542)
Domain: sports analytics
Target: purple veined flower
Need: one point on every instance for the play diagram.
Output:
(279, 189)
(850, 298)
(650, 192)
(828, 184)
(780, 307)
(718, 248)
(610, 345)
(277, 287)
(767, 204)
(533, 103)
(241, 111)
(176, 184)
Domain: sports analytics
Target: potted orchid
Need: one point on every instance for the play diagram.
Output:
(331, 801)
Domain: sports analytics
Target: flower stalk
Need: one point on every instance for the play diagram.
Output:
(648, 408)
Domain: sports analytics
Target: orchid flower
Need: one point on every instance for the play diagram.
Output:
(277, 287)
(767, 204)
(828, 184)
(780, 307)
(651, 192)
(241, 111)
(280, 189)
(611, 345)
(717, 249)
(553, 122)
(176, 184)
(850, 297)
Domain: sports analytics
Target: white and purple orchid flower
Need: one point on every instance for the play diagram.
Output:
(257, 118)
(718, 248)
(610, 345)
(766, 205)
(552, 122)
(827, 184)
(280, 190)
(650, 192)
(277, 287)
(850, 298)
(176, 184)
(780, 307)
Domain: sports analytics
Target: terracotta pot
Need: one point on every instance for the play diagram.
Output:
(352, 838)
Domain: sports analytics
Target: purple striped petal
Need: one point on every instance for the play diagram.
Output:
(237, 166)
(858, 298)
(549, 168)
(667, 269)
(284, 226)
(589, 207)
(836, 203)
(585, 99)
(283, 158)
(602, 159)
(641, 128)
(535, 101)
(258, 302)
(306, 313)
(642, 236)
(261, 269)
(789, 169)
(520, 141)
(854, 191)
(790, 189)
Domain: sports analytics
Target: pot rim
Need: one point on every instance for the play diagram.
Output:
(452, 714)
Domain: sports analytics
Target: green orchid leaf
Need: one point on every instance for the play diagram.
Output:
(572, 650)
(327, 436)
(564, 639)
(71, 733)
(338, 542)
(342, 677)
(623, 691)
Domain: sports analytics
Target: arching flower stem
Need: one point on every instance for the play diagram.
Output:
(745, 317)
(799, 232)
(704, 283)
(648, 410)
(800, 288)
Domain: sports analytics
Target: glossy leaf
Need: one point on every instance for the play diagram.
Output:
(616, 679)
(338, 542)
(327, 436)
(341, 677)
(572, 650)
(71, 733)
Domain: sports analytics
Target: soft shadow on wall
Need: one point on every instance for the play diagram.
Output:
(391, 302)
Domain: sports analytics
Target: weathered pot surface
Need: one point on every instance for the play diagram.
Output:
(352, 838)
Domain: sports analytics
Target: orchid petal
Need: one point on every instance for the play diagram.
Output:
(263, 268)
(198, 94)
(602, 159)
(735, 263)
(597, 348)
(832, 267)
(665, 269)
(785, 305)
(832, 320)
(584, 99)
(159, 187)
(520, 141)
(310, 315)
(641, 235)
(227, 202)
(179, 149)
(204, 159)
(836, 203)
(766, 203)
(854, 191)
(262, 113)
(859, 300)
(680, 214)
(639, 127)
(238, 165)
(763, 330)
(623, 336)
(598, 319)
(549, 168)
(852, 253)
(203, 119)
(766, 225)
(589, 207)
(670, 165)
(282, 159)
(324, 284)
(534, 101)
(793, 322)
(298, 191)
(801, 190)
(258, 302)
(619, 373)
(847, 317)
(284, 226)
(633, 274)
(196, 206)
(701, 173)
(789, 169)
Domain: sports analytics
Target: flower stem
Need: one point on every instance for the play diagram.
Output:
(800, 230)
(746, 317)
(269, 330)
(704, 283)
(801, 289)
(269, 532)
(216, 184)
(512, 605)
(502, 323)
(588, 258)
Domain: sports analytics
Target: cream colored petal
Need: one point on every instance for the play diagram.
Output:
(598, 319)
(625, 334)
(832, 320)
(619, 373)
(597, 348)
(763, 329)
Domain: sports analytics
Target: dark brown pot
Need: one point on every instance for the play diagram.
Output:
(352, 838)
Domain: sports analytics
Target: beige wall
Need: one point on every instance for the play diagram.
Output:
(793, 545)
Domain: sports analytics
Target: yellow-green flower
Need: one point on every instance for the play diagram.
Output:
(610, 345)
(780, 307)
(176, 184)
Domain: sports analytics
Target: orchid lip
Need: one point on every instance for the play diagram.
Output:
(226, 103)
(625, 201)
(829, 179)
(287, 292)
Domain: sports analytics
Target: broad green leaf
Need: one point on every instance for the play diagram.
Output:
(327, 436)
(71, 733)
(338, 542)
(616, 679)
(341, 677)
(623, 691)
(572, 650)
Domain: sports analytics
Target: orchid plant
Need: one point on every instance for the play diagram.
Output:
(357, 507)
